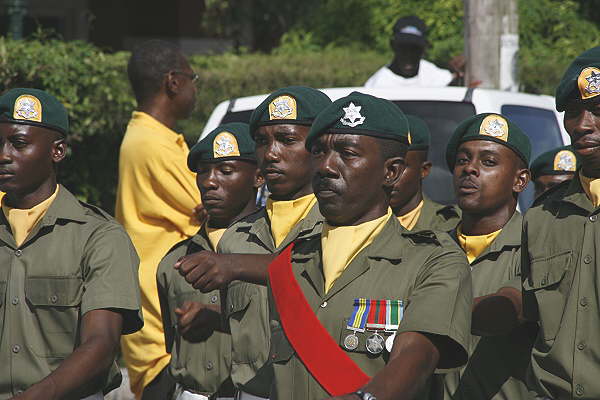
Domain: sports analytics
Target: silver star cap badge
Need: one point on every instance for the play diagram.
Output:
(352, 116)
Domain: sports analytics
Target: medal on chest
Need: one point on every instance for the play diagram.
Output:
(377, 316)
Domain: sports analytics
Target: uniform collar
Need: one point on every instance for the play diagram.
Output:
(575, 195)
(157, 126)
(201, 238)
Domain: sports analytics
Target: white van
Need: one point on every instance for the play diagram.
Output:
(443, 109)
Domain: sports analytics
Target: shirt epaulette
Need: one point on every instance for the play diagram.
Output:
(422, 237)
(98, 212)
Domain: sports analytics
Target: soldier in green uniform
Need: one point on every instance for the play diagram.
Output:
(489, 155)
(280, 125)
(553, 167)
(414, 209)
(560, 251)
(68, 271)
(365, 309)
(228, 180)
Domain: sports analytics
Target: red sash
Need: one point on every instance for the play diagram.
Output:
(322, 356)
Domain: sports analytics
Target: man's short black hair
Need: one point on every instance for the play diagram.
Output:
(149, 63)
(392, 148)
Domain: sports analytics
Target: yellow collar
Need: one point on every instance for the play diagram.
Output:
(409, 220)
(475, 245)
(340, 244)
(591, 186)
(156, 126)
(285, 214)
(23, 221)
(214, 235)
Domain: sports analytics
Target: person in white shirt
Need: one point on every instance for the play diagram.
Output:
(408, 68)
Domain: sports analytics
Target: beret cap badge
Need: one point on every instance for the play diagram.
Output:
(565, 161)
(225, 145)
(283, 107)
(494, 126)
(28, 107)
(352, 116)
(589, 82)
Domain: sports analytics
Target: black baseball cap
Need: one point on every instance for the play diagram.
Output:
(411, 30)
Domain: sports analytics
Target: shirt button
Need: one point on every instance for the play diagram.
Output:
(579, 390)
(581, 346)
(16, 348)
(15, 301)
(18, 252)
(53, 299)
(583, 301)
(18, 392)
(593, 218)
(209, 365)
(231, 307)
(587, 259)
(324, 304)
(214, 299)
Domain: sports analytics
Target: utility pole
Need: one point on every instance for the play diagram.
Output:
(492, 43)
(16, 10)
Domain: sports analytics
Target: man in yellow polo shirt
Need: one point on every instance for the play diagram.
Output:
(157, 196)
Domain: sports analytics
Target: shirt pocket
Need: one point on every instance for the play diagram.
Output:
(55, 306)
(247, 313)
(281, 350)
(546, 282)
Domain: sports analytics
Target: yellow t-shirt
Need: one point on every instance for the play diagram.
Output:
(285, 214)
(409, 220)
(591, 186)
(214, 235)
(475, 245)
(156, 196)
(23, 221)
(340, 244)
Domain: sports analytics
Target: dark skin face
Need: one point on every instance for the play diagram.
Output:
(228, 189)
(406, 58)
(487, 178)
(283, 160)
(545, 182)
(28, 159)
(407, 192)
(351, 179)
(582, 122)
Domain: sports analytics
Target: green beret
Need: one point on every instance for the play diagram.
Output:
(33, 107)
(419, 136)
(361, 114)
(493, 127)
(295, 105)
(581, 81)
(560, 161)
(230, 141)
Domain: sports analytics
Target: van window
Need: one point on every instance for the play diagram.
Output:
(541, 126)
(442, 118)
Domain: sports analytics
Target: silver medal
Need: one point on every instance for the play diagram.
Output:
(351, 341)
(375, 343)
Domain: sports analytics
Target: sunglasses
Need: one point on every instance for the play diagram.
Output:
(193, 77)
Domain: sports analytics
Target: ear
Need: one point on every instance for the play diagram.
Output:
(393, 169)
(259, 180)
(59, 150)
(522, 178)
(425, 169)
(172, 83)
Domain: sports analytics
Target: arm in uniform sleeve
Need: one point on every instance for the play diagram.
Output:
(111, 276)
(440, 306)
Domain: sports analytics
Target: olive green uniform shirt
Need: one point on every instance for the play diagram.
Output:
(75, 260)
(200, 367)
(561, 291)
(427, 271)
(246, 307)
(497, 365)
(437, 217)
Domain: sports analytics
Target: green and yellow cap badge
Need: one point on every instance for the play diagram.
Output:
(33, 107)
(230, 141)
(560, 161)
(361, 114)
(581, 81)
(295, 105)
(493, 127)
(419, 136)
